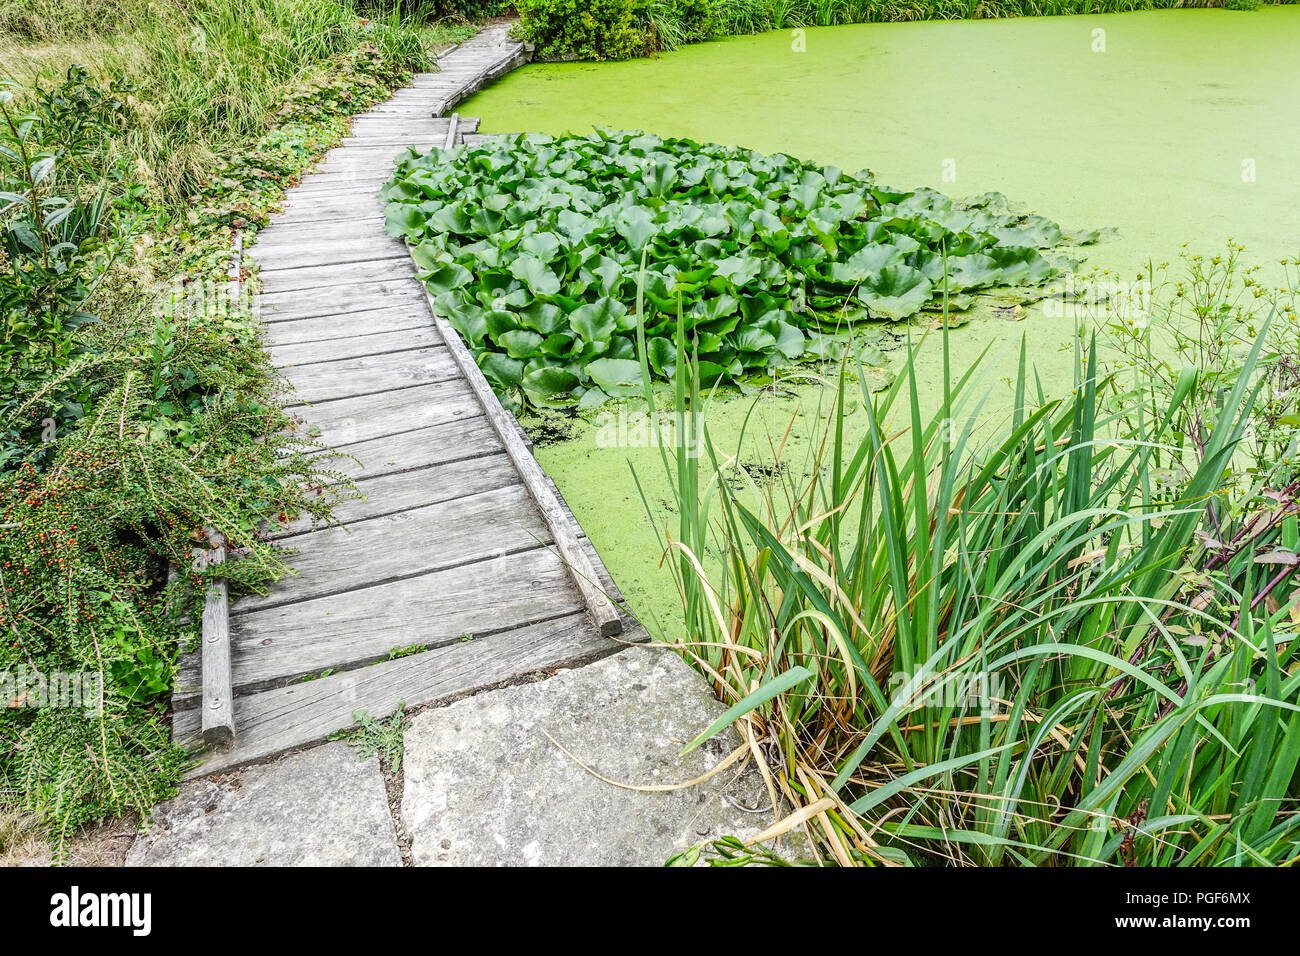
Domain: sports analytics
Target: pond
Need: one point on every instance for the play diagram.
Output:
(1170, 126)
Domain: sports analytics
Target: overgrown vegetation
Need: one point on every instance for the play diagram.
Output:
(1058, 636)
(206, 78)
(619, 29)
(532, 246)
(140, 413)
(384, 738)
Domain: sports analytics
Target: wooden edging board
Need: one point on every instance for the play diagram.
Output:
(218, 694)
(603, 612)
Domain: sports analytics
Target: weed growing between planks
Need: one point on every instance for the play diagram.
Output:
(382, 737)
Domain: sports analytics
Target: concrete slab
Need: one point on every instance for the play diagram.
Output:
(320, 807)
(484, 785)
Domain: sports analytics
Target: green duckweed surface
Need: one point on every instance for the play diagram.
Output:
(1186, 128)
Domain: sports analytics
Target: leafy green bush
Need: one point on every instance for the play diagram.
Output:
(130, 433)
(56, 246)
(155, 427)
(585, 29)
(533, 245)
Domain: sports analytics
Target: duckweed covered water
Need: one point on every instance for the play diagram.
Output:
(1171, 126)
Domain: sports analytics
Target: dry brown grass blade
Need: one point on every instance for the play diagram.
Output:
(737, 754)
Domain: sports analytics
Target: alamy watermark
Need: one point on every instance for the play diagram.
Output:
(1100, 299)
(28, 687)
(965, 691)
(193, 299)
(636, 429)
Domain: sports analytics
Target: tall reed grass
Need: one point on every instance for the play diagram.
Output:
(207, 76)
(985, 638)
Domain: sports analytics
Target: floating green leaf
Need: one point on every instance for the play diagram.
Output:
(533, 247)
(895, 292)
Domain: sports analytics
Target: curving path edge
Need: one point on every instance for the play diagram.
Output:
(447, 577)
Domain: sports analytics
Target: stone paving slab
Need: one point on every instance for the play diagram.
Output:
(320, 807)
(484, 785)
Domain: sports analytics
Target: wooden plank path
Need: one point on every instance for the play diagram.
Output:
(461, 548)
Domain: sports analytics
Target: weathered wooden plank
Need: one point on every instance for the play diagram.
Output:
(281, 253)
(345, 421)
(383, 130)
(412, 93)
(321, 185)
(217, 695)
(412, 488)
(406, 544)
(330, 276)
(369, 122)
(396, 141)
(276, 647)
(556, 515)
(383, 124)
(371, 118)
(411, 97)
(281, 233)
(464, 438)
(328, 343)
(327, 189)
(395, 138)
(218, 700)
(508, 55)
(364, 161)
(334, 255)
(344, 298)
(317, 180)
(342, 207)
(300, 238)
(369, 374)
(367, 152)
(405, 108)
(305, 713)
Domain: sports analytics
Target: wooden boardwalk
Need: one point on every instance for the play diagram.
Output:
(452, 549)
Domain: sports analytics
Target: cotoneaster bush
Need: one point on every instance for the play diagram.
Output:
(533, 245)
(138, 410)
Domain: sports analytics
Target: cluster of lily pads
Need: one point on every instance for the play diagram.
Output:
(533, 247)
